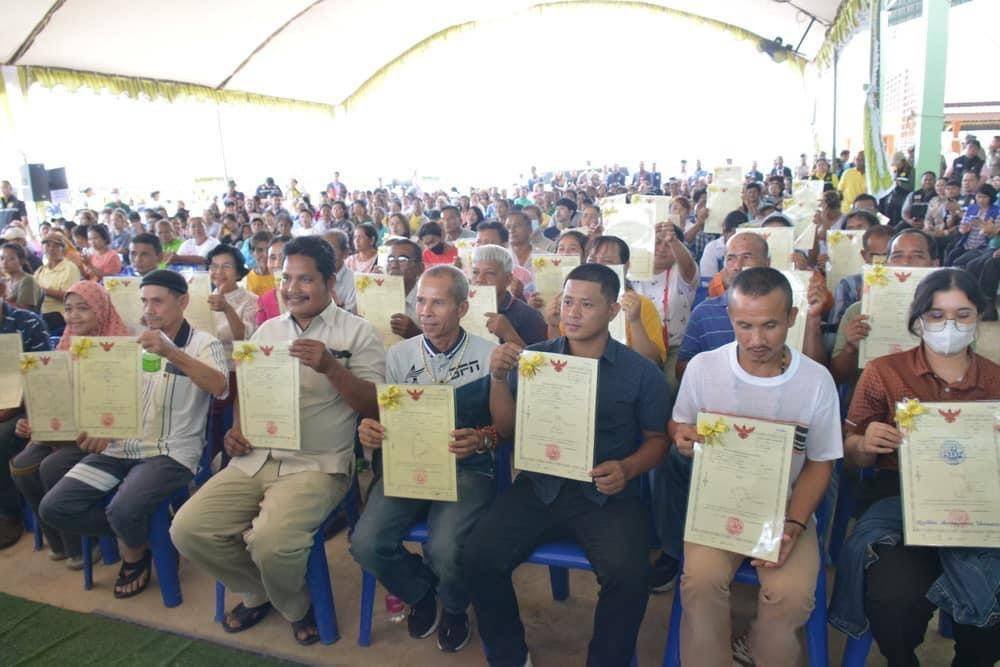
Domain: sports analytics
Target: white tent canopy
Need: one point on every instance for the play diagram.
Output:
(311, 50)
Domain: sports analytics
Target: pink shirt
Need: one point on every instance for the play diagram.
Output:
(109, 263)
(267, 306)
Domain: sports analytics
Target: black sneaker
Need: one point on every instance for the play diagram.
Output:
(453, 632)
(664, 573)
(423, 618)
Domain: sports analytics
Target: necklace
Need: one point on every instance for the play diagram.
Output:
(459, 356)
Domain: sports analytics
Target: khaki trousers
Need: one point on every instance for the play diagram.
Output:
(784, 603)
(254, 533)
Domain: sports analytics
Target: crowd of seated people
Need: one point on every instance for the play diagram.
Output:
(708, 331)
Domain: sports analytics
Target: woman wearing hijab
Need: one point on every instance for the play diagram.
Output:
(88, 312)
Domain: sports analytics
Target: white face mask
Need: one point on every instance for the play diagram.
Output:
(950, 339)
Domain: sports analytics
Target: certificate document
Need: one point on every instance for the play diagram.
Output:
(988, 340)
(482, 300)
(806, 238)
(635, 224)
(949, 469)
(780, 244)
(107, 386)
(807, 193)
(722, 198)
(843, 248)
(264, 371)
(618, 326)
(799, 280)
(739, 485)
(10, 374)
(556, 415)
(418, 421)
(48, 395)
(380, 297)
(660, 204)
(550, 273)
(124, 293)
(728, 174)
(885, 298)
(197, 313)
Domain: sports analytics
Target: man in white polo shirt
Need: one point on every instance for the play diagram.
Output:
(175, 397)
(252, 525)
(759, 376)
(196, 248)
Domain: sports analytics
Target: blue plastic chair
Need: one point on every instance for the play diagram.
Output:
(31, 523)
(560, 557)
(856, 650)
(165, 556)
(815, 628)
(317, 574)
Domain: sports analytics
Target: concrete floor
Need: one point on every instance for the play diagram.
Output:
(557, 632)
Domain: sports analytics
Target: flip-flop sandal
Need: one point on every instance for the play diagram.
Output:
(129, 573)
(246, 617)
(308, 623)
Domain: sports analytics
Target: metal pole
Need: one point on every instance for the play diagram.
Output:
(833, 153)
(222, 143)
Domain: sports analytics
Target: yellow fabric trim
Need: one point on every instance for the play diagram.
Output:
(849, 17)
(153, 88)
(446, 33)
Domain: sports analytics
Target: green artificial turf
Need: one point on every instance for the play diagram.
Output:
(37, 634)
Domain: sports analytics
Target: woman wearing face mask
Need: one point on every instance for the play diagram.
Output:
(881, 582)
(40, 465)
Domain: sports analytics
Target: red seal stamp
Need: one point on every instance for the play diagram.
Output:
(55, 424)
(734, 526)
(107, 420)
(958, 518)
(420, 477)
(552, 452)
(271, 428)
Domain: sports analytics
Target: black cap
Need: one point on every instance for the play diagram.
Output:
(166, 278)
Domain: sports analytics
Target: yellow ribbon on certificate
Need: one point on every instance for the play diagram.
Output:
(713, 432)
(834, 237)
(389, 399)
(361, 283)
(539, 262)
(244, 353)
(528, 366)
(28, 362)
(907, 412)
(877, 275)
(80, 349)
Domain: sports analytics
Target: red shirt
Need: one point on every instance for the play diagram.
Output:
(449, 256)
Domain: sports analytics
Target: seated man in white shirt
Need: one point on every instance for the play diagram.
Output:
(196, 248)
(344, 292)
(252, 525)
(445, 354)
(148, 470)
(406, 259)
(758, 376)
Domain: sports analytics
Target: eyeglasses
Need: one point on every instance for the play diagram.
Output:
(399, 259)
(935, 321)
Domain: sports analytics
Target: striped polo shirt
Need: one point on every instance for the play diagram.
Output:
(708, 328)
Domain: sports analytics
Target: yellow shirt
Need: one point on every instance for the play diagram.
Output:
(259, 284)
(651, 324)
(62, 277)
(852, 184)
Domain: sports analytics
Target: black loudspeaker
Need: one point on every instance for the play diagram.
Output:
(57, 179)
(36, 180)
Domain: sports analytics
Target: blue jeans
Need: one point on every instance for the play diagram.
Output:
(671, 482)
(377, 542)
